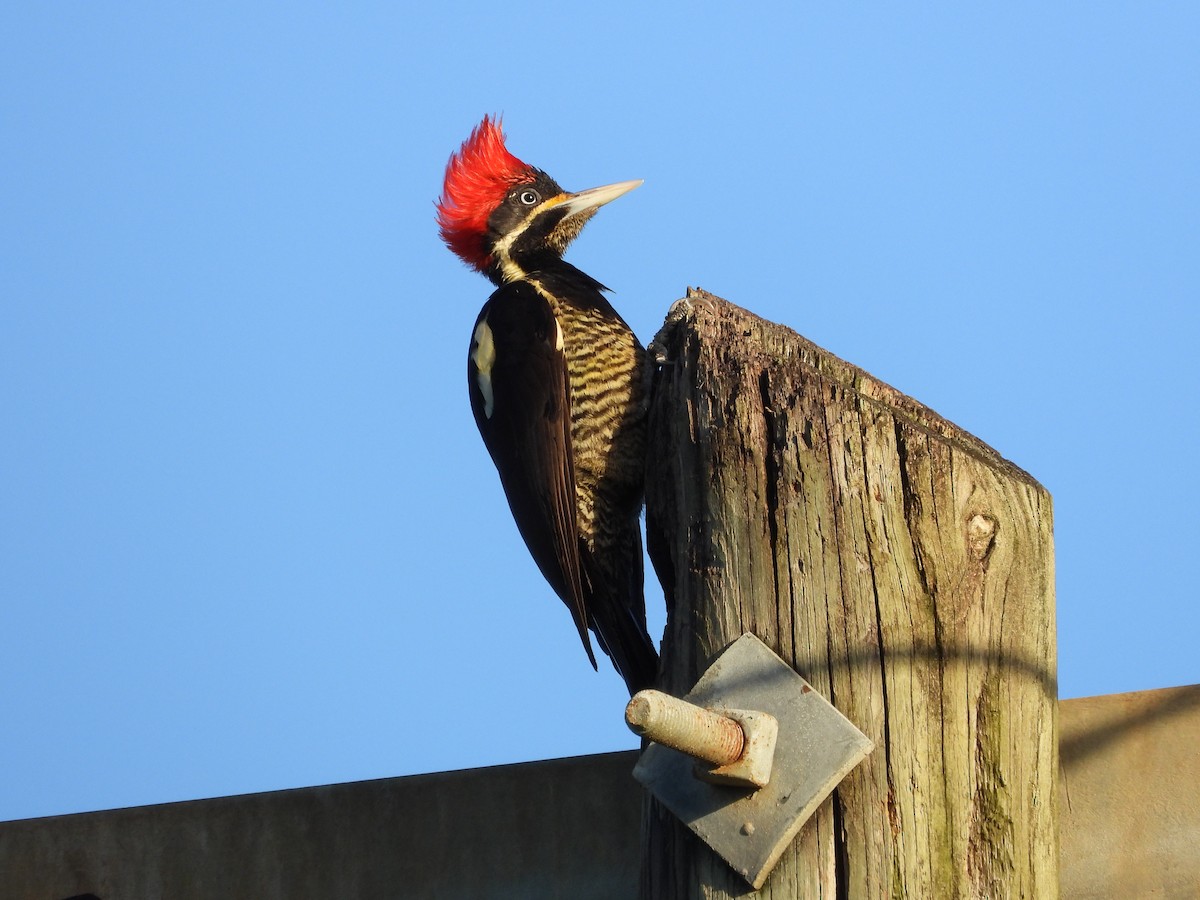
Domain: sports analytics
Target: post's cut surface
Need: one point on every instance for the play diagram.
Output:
(901, 566)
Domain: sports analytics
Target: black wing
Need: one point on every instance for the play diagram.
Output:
(517, 377)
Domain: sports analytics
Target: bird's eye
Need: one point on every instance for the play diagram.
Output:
(529, 197)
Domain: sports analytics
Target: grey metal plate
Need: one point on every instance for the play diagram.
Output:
(817, 747)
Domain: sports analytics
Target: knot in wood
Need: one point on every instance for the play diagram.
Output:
(981, 535)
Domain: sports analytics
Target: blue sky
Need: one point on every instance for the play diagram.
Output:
(249, 537)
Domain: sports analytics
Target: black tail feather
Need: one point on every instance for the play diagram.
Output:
(617, 614)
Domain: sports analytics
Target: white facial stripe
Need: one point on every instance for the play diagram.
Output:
(501, 250)
(501, 247)
(510, 270)
(483, 355)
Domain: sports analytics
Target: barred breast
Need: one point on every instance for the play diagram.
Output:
(605, 365)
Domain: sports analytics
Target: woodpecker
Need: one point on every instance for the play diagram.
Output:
(556, 387)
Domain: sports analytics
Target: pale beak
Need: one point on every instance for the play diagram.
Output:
(594, 198)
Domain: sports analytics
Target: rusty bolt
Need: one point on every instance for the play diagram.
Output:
(675, 723)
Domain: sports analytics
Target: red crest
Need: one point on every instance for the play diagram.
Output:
(477, 179)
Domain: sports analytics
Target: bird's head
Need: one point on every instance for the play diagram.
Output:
(505, 217)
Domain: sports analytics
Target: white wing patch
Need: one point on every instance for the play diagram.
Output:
(483, 355)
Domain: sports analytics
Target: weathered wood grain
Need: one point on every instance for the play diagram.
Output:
(901, 566)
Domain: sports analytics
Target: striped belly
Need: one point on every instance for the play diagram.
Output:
(605, 365)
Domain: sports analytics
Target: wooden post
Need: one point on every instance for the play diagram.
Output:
(901, 566)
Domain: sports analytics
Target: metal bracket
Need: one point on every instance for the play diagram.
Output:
(752, 769)
(748, 819)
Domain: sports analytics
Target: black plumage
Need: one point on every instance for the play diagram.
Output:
(555, 377)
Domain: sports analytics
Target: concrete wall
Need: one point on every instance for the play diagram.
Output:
(565, 828)
(568, 828)
(1129, 795)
